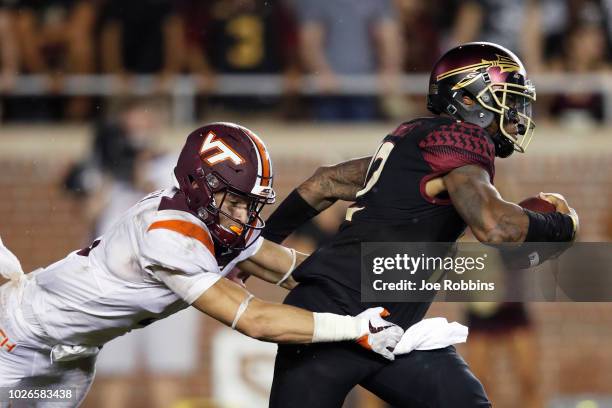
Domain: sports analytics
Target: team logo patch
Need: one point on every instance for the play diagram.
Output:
(215, 150)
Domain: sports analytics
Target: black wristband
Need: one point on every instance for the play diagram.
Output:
(529, 256)
(290, 214)
(549, 227)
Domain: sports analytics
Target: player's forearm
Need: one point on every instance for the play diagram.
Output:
(277, 323)
(233, 306)
(494, 220)
(253, 268)
(338, 182)
(230, 304)
(491, 219)
(322, 189)
(502, 222)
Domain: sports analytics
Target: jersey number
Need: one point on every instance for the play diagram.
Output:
(376, 166)
(248, 33)
(374, 170)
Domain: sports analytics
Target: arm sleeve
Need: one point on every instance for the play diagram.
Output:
(182, 262)
(448, 147)
(288, 216)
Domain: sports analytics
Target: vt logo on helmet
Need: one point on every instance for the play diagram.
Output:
(224, 165)
(496, 80)
(215, 150)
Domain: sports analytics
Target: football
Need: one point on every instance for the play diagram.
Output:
(537, 204)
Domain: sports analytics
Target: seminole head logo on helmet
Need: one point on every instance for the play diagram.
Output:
(224, 165)
(495, 79)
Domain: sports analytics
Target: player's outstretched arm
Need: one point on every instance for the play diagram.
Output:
(494, 220)
(234, 306)
(274, 263)
(327, 185)
(331, 183)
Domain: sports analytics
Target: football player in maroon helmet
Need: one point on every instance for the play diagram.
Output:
(487, 85)
(218, 165)
(429, 179)
(160, 257)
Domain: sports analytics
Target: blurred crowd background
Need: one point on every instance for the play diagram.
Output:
(285, 41)
(96, 98)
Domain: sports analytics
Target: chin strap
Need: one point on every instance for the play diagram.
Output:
(503, 146)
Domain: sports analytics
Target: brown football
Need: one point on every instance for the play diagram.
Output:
(537, 204)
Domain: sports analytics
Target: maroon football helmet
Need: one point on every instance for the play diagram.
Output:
(495, 78)
(225, 157)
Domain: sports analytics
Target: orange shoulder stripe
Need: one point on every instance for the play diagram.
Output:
(188, 229)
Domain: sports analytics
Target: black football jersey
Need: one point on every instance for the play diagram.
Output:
(394, 207)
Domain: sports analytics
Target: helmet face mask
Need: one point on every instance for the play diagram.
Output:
(495, 79)
(226, 229)
(221, 164)
(512, 104)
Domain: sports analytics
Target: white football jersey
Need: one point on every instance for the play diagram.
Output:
(101, 292)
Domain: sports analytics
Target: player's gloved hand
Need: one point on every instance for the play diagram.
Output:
(563, 207)
(378, 335)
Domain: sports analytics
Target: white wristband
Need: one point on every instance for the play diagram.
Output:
(332, 327)
(241, 309)
(574, 216)
(291, 268)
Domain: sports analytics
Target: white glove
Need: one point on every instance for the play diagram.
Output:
(377, 334)
(430, 334)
